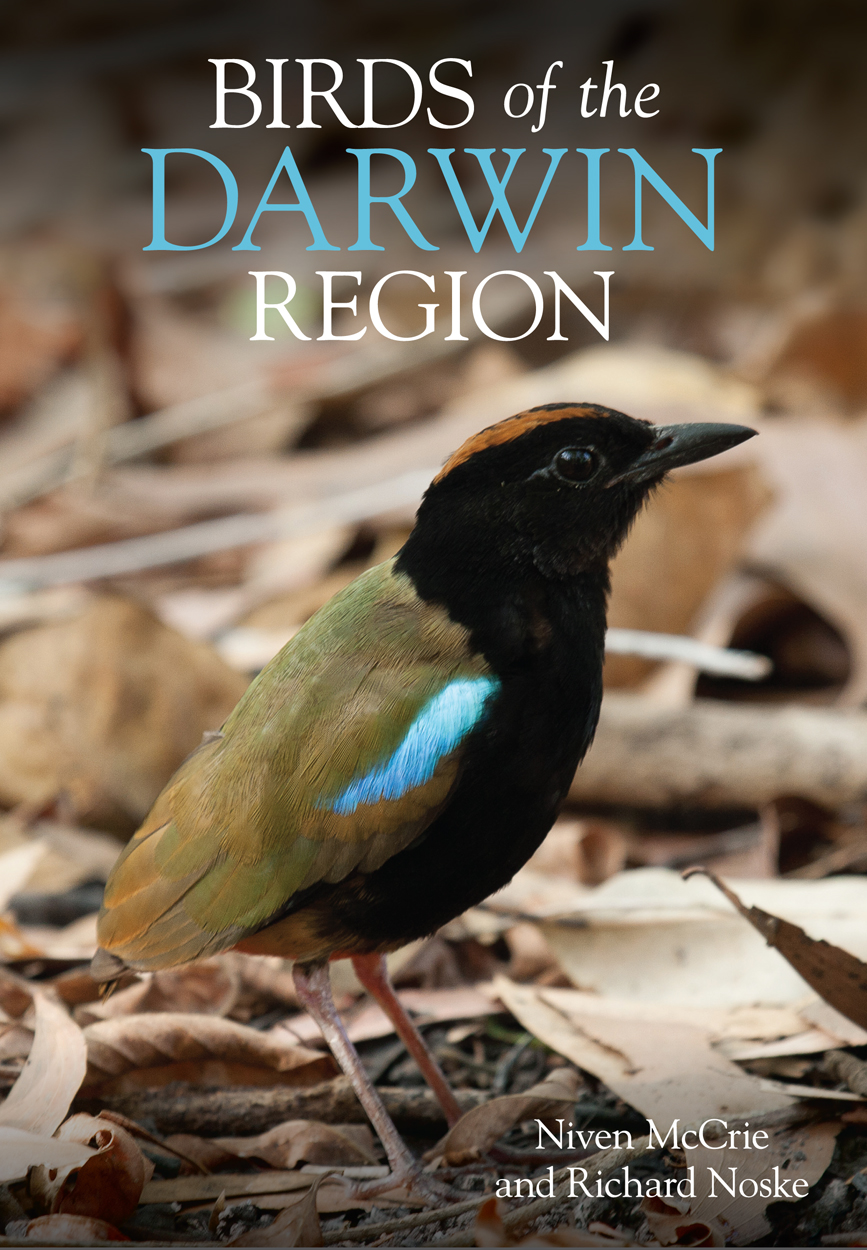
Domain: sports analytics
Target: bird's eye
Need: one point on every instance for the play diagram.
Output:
(576, 464)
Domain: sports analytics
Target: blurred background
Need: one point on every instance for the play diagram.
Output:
(175, 500)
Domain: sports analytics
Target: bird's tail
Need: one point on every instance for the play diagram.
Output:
(108, 971)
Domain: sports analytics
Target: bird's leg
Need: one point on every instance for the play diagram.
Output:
(372, 972)
(314, 991)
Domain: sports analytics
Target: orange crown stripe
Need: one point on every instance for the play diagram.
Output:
(508, 430)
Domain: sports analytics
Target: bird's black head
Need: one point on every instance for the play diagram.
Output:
(550, 493)
(556, 488)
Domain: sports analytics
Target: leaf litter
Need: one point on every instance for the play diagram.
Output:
(598, 988)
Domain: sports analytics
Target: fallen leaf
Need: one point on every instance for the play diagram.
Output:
(234, 1185)
(152, 1050)
(666, 1069)
(141, 1134)
(52, 1075)
(306, 1141)
(211, 987)
(463, 1003)
(109, 1184)
(78, 1229)
(274, 1190)
(812, 539)
(297, 1225)
(800, 1153)
(825, 1017)
(203, 1153)
(20, 1150)
(479, 1128)
(16, 993)
(672, 1227)
(16, 867)
(103, 708)
(648, 934)
(836, 976)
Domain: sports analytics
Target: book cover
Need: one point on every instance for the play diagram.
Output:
(264, 270)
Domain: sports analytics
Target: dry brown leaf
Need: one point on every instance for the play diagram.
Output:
(152, 1050)
(20, 1150)
(648, 934)
(234, 1185)
(306, 1141)
(671, 1227)
(297, 1225)
(52, 1075)
(800, 1153)
(16, 993)
(82, 1230)
(210, 987)
(836, 976)
(108, 1185)
(203, 1153)
(665, 1067)
(463, 1003)
(103, 708)
(73, 987)
(479, 1128)
(489, 1230)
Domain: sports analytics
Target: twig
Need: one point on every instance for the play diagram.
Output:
(714, 754)
(703, 655)
(228, 1112)
(173, 546)
(846, 1068)
(115, 1117)
(333, 380)
(832, 861)
(130, 439)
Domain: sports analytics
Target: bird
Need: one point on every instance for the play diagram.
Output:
(411, 746)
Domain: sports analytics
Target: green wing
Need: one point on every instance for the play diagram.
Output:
(317, 772)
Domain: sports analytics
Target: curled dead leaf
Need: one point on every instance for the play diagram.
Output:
(107, 1185)
(477, 1131)
(306, 1141)
(671, 1227)
(836, 976)
(52, 1075)
(151, 1050)
(20, 1150)
(78, 1229)
(141, 1134)
(297, 1225)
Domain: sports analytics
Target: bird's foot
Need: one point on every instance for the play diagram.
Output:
(424, 1185)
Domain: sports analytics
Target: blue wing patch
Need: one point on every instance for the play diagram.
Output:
(440, 726)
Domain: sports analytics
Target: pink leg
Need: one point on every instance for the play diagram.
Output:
(314, 991)
(372, 972)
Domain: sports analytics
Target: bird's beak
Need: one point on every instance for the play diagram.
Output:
(675, 445)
